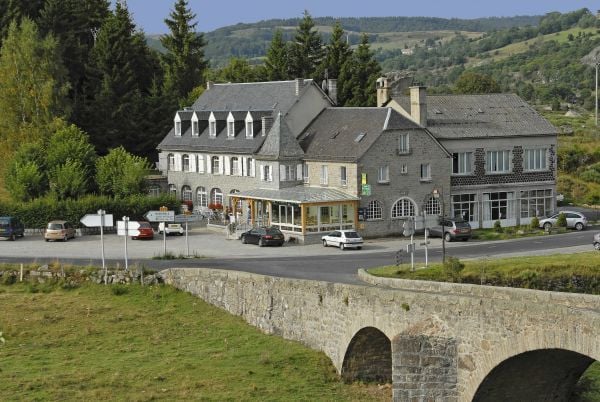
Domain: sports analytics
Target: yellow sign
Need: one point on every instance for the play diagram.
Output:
(364, 178)
(163, 209)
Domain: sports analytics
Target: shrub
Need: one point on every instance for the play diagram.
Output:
(119, 290)
(498, 226)
(535, 223)
(561, 222)
(453, 268)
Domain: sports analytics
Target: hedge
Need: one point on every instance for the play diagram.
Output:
(37, 213)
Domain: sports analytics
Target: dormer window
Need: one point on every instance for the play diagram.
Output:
(212, 125)
(230, 126)
(249, 126)
(177, 125)
(195, 126)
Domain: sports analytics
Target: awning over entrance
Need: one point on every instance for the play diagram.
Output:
(296, 195)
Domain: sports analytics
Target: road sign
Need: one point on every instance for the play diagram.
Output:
(188, 218)
(95, 220)
(160, 216)
(132, 228)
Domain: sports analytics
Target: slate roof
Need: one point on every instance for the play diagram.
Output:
(280, 95)
(298, 194)
(345, 134)
(280, 143)
(481, 116)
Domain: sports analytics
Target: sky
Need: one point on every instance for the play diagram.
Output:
(210, 15)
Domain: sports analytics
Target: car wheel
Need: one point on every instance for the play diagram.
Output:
(324, 243)
(244, 241)
(281, 244)
(359, 248)
(579, 226)
(47, 239)
(547, 226)
(261, 243)
(597, 246)
(66, 238)
(448, 237)
(12, 237)
(342, 247)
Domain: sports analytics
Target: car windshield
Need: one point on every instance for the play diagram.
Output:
(54, 226)
(352, 235)
(273, 232)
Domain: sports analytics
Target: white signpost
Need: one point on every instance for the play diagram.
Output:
(127, 228)
(100, 220)
(161, 216)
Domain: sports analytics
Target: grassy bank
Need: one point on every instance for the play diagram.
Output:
(135, 343)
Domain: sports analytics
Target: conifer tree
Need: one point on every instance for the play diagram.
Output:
(183, 63)
(337, 52)
(16, 10)
(358, 77)
(306, 53)
(276, 63)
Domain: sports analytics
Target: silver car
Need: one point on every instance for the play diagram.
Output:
(575, 220)
(597, 241)
(343, 239)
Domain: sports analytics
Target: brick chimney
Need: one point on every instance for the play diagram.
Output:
(418, 104)
(299, 85)
(383, 91)
(267, 123)
(332, 89)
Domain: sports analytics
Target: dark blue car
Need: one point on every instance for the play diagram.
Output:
(11, 227)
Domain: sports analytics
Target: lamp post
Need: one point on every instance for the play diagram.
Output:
(597, 63)
(437, 194)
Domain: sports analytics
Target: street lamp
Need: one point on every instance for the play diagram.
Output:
(437, 194)
(597, 63)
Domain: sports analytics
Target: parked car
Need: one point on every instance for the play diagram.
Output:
(263, 237)
(575, 220)
(59, 230)
(343, 239)
(11, 227)
(597, 241)
(170, 228)
(454, 229)
(146, 231)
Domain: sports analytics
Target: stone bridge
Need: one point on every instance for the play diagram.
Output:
(433, 341)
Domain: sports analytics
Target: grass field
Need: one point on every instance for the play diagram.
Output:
(154, 343)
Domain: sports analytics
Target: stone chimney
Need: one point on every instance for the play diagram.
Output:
(299, 85)
(332, 89)
(267, 123)
(418, 105)
(383, 91)
(209, 85)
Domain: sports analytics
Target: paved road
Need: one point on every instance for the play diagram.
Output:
(304, 262)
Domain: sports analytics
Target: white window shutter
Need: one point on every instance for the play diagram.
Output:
(178, 162)
(252, 168)
(201, 163)
(193, 163)
(299, 171)
(208, 164)
(240, 166)
(282, 173)
(262, 172)
(270, 173)
(221, 160)
(226, 165)
(244, 168)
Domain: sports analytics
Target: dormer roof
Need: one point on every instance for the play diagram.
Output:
(280, 143)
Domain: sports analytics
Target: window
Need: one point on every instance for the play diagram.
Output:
(324, 175)
(374, 210)
(195, 128)
(383, 175)
(178, 128)
(465, 206)
(250, 167)
(172, 190)
(212, 128)
(287, 173)
(498, 205)
(186, 193)
(171, 158)
(403, 208)
(201, 197)
(154, 191)
(404, 169)
(432, 206)
(216, 196)
(249, 129)
(230, 128)
(216, 165)
(305, 173)
(497, 162)
(536, 203)
(535, 159)
(185, 163)
(403, 145)
(234, 166)
(462, 162)
(267, 174)
(425, 171)
(343, 177)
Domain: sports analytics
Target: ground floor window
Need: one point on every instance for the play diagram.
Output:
(172, 189)
(403, 208)
(432, 206)
(154, 191)
(536, 203)
(374, 210)
(201, 197)
(465, 206)
(186, 193)
(216, 196)
(498, 206)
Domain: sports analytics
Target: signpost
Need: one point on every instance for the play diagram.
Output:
(163, 215)
(127, 228)
(100, 219)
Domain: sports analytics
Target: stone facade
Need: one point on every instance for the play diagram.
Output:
(445, 340)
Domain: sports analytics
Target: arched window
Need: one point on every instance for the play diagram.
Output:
(185, 160)
(403, 208)
(432, 206)
(172, 189)
(154, 191)
(186, 193)
(201, 197)
(374, 210)
(171, 159)
(216, 196)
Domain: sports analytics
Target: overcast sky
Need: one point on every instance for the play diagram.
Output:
(149, 14)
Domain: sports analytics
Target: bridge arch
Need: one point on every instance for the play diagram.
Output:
(537, 375)
(368, 357)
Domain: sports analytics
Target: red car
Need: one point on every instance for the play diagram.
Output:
(146, 231)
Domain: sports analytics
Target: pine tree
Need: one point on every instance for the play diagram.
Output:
(358, 77)
(276, 63)
(337, 52)
(16, 10)
(183, 63)
(306, 52)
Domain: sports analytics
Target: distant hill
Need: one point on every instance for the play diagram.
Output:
(251, 41)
